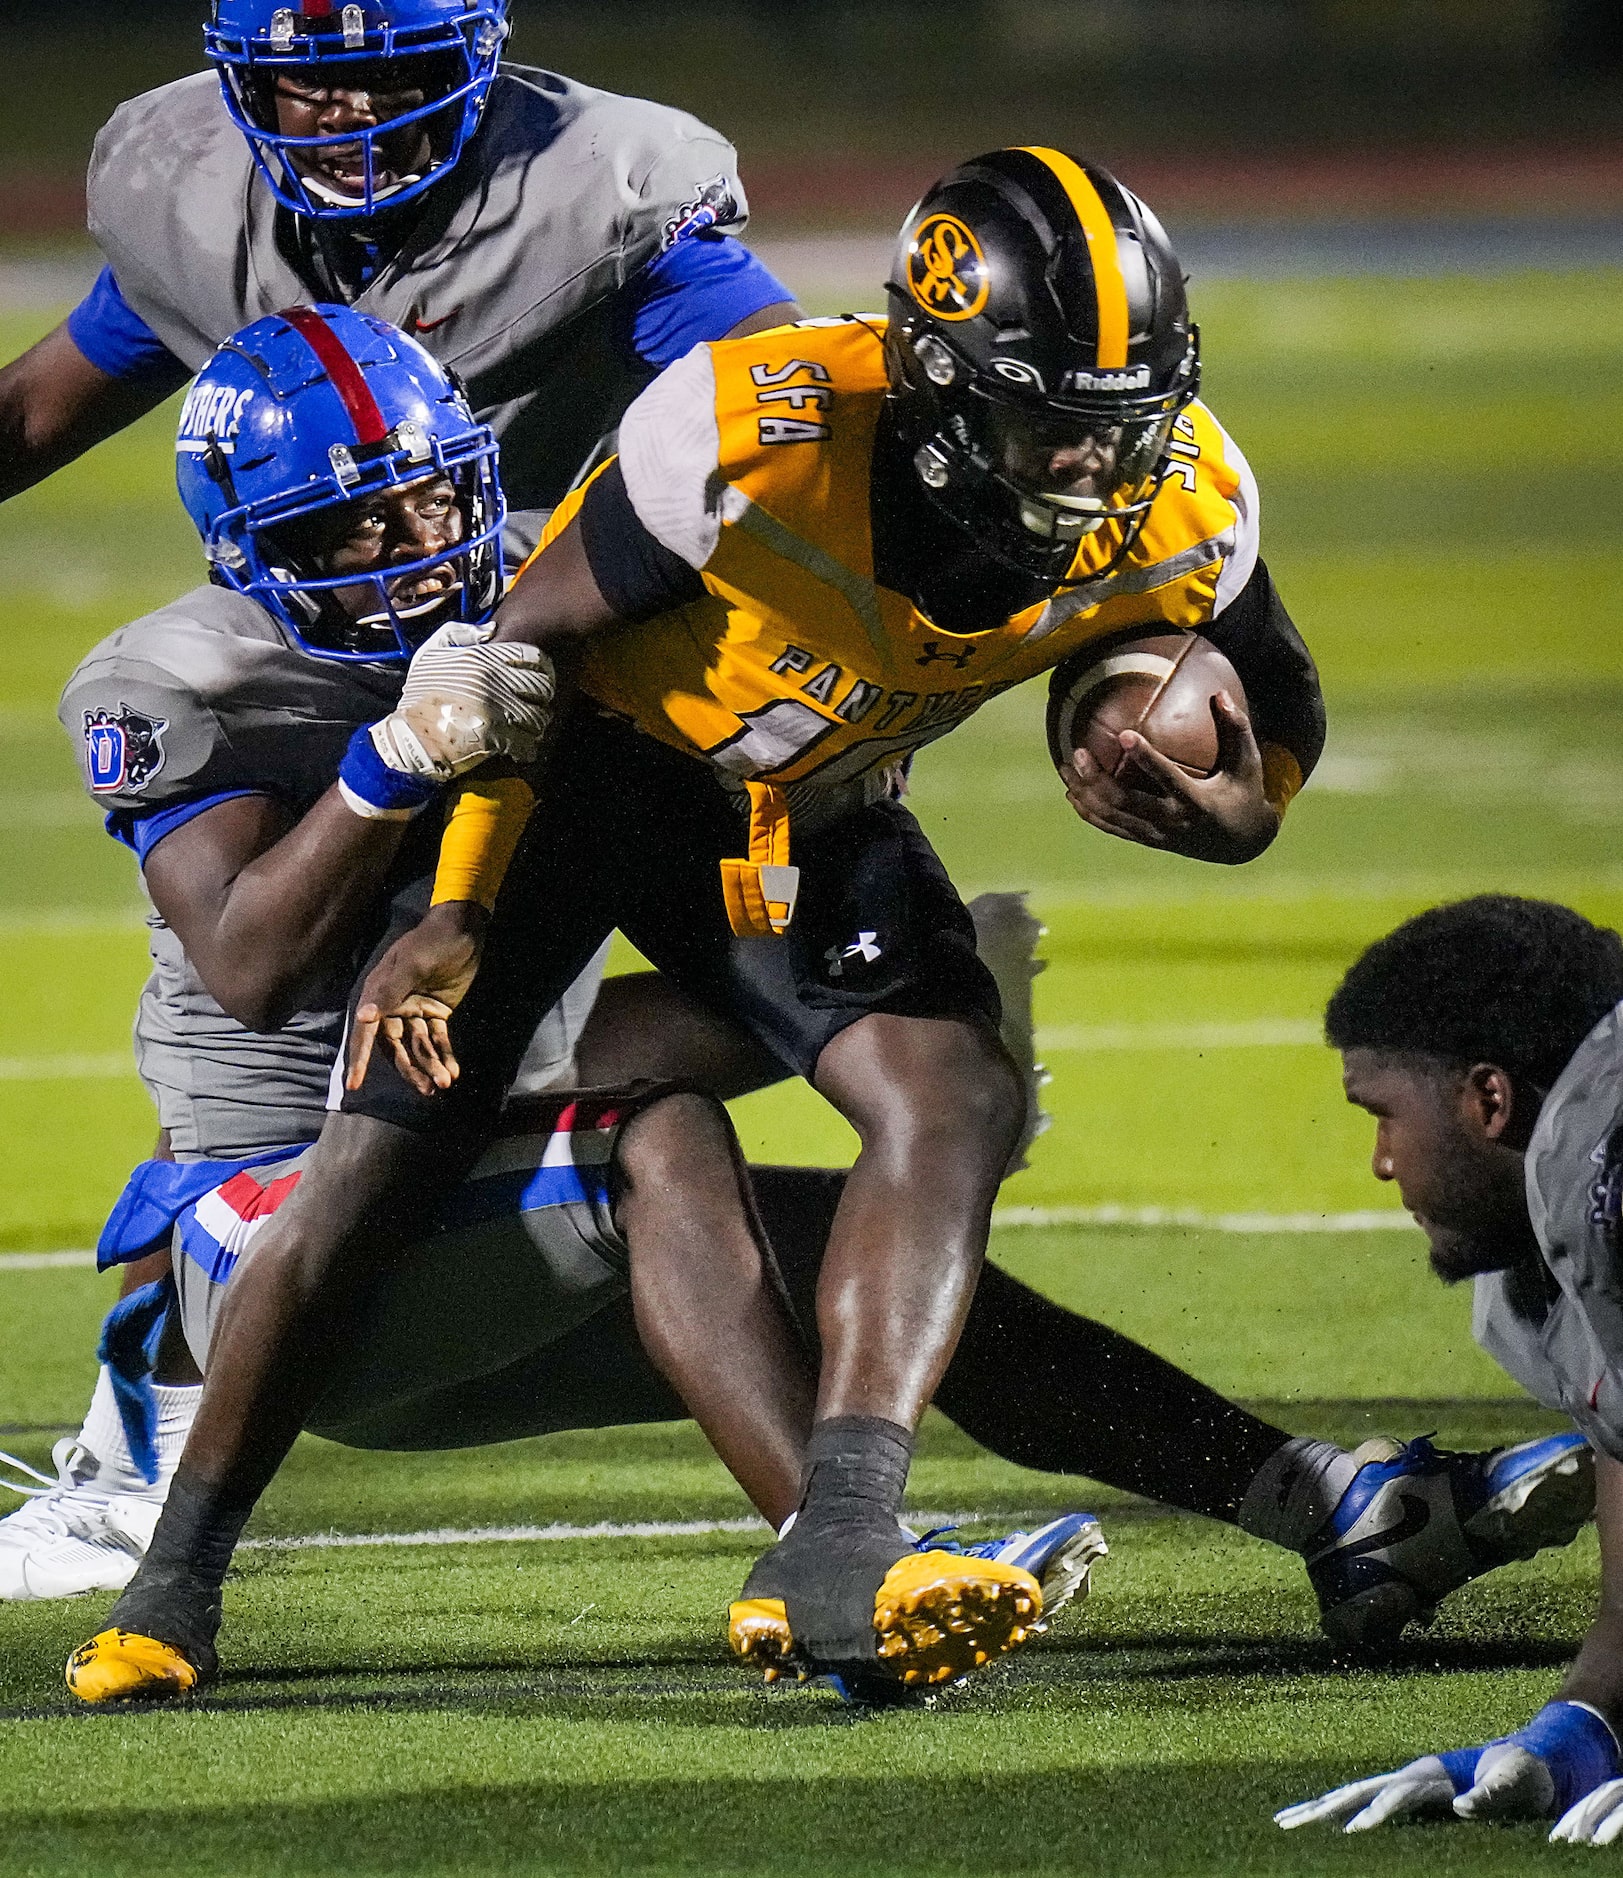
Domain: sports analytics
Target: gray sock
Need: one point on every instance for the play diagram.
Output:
(1295, 1491)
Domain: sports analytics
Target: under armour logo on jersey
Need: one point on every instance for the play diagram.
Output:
(862, 947)
(123, 749)
(956, 656)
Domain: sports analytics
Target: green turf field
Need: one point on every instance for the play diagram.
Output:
(1442, 472)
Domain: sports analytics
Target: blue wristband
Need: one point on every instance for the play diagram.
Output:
(1577, 1747)
(1461, 1766)
(372, 789)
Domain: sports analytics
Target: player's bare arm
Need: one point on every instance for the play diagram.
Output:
(1596, 1677)
(55, 405)
(263, 904)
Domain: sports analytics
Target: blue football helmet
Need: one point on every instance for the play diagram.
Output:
(304, 413)
(448, 49)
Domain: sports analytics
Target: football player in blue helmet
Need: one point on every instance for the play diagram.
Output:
(348, 108)
(554, 242)
(359, 502)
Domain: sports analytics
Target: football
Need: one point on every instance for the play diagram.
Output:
(1161, 685)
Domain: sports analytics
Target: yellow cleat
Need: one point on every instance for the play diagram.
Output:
(120, 1666)
(938, 1615)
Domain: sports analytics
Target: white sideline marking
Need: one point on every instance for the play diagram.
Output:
(1386, 1219)
(67, 1068)
(602, 1529)
(1256, 1034)
(1267, 890)
(66, 922)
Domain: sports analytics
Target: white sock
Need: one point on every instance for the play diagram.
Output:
(103, 1435)
(1295, 1491)
(177, 1410)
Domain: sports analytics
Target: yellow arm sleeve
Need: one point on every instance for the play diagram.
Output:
(482, 828)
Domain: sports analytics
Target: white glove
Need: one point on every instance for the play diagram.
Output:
(465, 700)
(1597, 1819)
(1423, 1787)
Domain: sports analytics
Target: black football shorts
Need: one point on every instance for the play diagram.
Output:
(629, 834)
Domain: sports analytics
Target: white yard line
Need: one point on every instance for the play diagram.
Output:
(1256, 1033)
(1294, 890)
(85, 1067)
(1134, 1218)
(1385, 1219)
(602, 1529)
(66, 922)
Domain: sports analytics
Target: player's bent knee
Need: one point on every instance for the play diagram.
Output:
(667, 1140)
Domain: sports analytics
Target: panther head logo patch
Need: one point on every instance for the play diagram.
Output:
(123, 749)
(947, 270)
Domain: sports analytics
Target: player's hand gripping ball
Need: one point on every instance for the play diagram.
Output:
(1153, 744)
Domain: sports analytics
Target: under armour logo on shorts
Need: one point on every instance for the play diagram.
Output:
(862, 947)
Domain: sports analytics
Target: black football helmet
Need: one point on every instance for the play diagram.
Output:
(1039, 350)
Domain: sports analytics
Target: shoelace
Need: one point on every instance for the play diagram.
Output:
(61, 1454)
(51, 1512)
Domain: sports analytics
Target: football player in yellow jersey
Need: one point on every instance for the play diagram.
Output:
(817, 550)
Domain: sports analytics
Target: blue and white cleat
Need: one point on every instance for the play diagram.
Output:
(1418, 1522)
(1060, 1556)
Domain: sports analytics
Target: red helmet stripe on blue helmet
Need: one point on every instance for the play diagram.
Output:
(341, 369)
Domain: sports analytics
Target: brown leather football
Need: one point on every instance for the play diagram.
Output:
(1162, 686)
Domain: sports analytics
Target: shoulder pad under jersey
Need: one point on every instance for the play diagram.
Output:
(208, 695)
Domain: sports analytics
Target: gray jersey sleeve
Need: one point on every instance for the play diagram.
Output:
(1559, 1330)
(144, 740)
(684, 168)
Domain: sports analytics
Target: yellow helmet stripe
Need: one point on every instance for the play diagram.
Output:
(1108, 284)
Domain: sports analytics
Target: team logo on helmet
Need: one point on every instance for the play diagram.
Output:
(946, 270)
(123, 749)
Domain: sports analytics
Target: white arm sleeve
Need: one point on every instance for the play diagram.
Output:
(1241, 561)
(670, 449)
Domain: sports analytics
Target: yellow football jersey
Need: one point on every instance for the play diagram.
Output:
(750, 459)
(796, 674)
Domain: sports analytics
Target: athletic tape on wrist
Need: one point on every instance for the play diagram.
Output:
(372, 789)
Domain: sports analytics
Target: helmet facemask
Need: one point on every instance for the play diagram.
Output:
(425, 88)
(288, 553)
(1030, 477)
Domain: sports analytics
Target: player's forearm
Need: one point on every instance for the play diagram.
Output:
(555, 602)
(293, 913)
(54, 404)
(1597, 1675)
(1281, 680)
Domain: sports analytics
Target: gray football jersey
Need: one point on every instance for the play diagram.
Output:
(1559, 1332)
(511, 274)
(203, 697)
